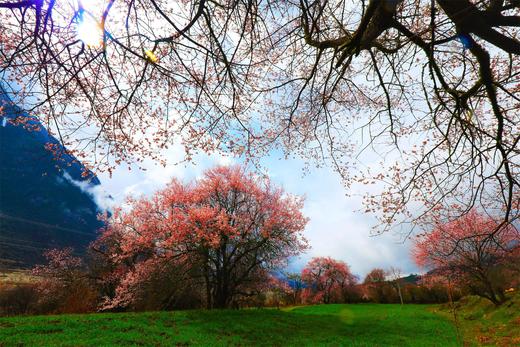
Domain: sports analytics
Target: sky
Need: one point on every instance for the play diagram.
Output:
(337, 228)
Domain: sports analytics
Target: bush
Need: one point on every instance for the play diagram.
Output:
(78, 297)
(18, 299)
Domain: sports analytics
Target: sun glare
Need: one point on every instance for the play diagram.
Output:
(93, 6)
(90, 32)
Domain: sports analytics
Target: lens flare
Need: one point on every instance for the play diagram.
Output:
(151, 56)
(93, 6)
(90, 32)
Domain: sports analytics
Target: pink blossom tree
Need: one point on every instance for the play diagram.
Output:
(327, 280)
(226, 231)
(63, 284)
(463, 251)
(376, 285)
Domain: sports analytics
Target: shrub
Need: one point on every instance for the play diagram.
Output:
(18, 299)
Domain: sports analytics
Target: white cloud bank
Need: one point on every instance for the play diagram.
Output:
(337, 228)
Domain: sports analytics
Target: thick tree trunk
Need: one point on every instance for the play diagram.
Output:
(222, 298)
(469, 19)
(208, 292)
(493, 296)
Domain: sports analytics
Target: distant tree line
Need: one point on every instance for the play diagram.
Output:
(68, 284)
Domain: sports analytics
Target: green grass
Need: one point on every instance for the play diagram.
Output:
(332, 325)
(483, 324)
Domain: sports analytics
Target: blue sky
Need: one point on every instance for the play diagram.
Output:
(337, 227)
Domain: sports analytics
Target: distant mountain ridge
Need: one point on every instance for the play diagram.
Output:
(43, 203)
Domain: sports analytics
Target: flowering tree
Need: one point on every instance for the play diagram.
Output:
(437, 81)
(327, 280)
(62, 266)
(295, 282)
(226, 231)
(63, 283)
(462, 251)
(278, 292)
(376, 285)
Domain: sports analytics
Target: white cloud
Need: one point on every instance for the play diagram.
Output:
(337, 228)
(135, 182)
(100, 196)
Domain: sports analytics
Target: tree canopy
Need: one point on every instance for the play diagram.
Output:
(224, 233)
(462, 252)
(435, 83)
(327, 280)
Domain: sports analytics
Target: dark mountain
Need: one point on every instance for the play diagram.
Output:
(410, 279)
(41, 203)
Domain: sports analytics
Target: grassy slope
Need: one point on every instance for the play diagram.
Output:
(352, 325)
(15, 277)
(483, 324)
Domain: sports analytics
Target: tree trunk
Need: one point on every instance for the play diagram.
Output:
(399, 292)
(208, 292)
(492, 292)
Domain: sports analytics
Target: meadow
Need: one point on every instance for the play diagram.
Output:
(320, 325)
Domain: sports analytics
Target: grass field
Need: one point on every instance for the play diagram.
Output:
(334, 325)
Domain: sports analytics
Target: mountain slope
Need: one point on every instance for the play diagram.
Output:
(41, 203)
